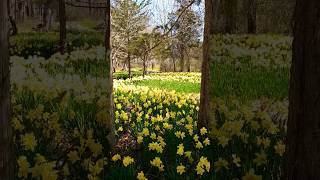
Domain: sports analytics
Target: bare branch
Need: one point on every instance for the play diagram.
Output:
(174, 23)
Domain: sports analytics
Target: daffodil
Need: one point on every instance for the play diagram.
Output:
(23, 167)
(181, 169)
(116, 157)
(127, 161)
(141, 176)
(29, 141)
(180, 150)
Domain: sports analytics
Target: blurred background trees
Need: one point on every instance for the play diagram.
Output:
(176, 29)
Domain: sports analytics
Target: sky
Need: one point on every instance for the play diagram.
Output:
(160, 9)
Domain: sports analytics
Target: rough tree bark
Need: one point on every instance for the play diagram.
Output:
(206, 96)
(6, 171)
(110, 124)
(303, 136)
(63, 28)
(252, 16)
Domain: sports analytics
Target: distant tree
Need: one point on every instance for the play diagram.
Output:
(129, 19)
(186, 31)
(139, 48)
(252, 16)
(5, 131)
(205, 116)
(63, 28)
(303, 135)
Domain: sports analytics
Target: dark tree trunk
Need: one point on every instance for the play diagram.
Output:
(144, 66)
(13, 26)
(231, 15)
(14, 29)
(303, 138)
(109, 108)
(63, 28)
(129, 65)
(45, 11)
(206, 87)
(6, 160)
(32, 9)
(188, 63)
(182, 57)
(252, 16)
(90, 5)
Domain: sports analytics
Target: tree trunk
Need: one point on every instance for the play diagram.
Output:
(63, 29)
(110, 124)
(144, 66)
(49, 19)
(174, 64)
(6, 161)
(90, 7)
(303, 137)
(45, 10)
(182, 49)
(231, 14)
(206, 87)
(129, 65)
(188, 63)
(252, 16)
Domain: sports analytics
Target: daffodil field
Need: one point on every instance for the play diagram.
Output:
(59, 117)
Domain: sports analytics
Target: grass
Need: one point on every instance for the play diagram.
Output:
(250, 83)
(246, 83)
(185, 87)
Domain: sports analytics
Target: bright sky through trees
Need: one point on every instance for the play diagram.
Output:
(160, 9)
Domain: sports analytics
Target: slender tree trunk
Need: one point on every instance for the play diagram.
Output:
(110, 124)
(63, 29)
(49, 19)
(188, 63)
(44, 15)
(206, 86)
(182, 57)
(230, 13)
(32, 9)
(90, 5)
(252, 16)
(303, 138)
(129, 64)
(6, 160)
(144, 66)
(15, 10)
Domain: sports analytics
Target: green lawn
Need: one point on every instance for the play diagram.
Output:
(185, 87)
(246, 83)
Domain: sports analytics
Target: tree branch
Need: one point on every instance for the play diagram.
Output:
(172, 26)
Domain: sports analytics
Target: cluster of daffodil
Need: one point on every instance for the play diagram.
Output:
(262, 50)
(59, 125)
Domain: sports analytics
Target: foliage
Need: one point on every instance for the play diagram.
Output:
(129, 19)
(46, 44)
